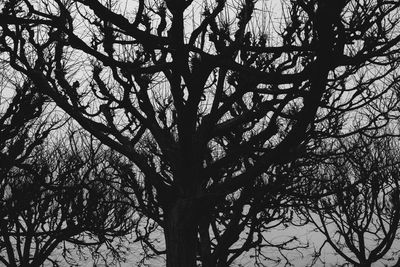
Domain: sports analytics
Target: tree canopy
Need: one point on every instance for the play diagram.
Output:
(208, 100)
(56, 196)
(360, 215)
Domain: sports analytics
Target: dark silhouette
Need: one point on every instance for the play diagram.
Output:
(55, 196)
(206, 106)
(59, 201)
(361, 218)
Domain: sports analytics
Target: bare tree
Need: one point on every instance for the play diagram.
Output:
(237, 224)
(59, 201)
(49, 199)
(204, 105)
(361, 217)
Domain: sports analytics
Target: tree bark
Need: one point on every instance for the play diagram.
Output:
(180, 233)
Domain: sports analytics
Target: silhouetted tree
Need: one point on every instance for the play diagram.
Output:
(53, 195)
(206, 104)
(256, 211)
(60, 201)
(361, 217)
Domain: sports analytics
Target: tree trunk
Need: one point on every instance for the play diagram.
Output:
(205, 242)
(181, 233)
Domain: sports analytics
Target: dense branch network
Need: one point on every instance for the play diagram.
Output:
(207, 106)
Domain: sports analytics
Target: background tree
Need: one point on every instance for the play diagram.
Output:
(205, 105)
(54, 195)
(60, 201)
(361, 217)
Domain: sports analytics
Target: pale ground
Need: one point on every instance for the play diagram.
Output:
(304, 233)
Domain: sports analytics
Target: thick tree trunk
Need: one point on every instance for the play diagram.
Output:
(181, 233)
